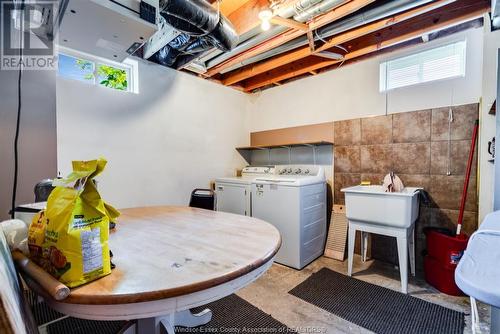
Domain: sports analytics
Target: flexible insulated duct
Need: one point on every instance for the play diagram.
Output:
(202, 27)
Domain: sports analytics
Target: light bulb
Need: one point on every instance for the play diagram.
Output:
(265, 25)
(265, 15)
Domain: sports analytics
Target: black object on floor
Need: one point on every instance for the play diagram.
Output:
(203, 199)
(43, 314)
(82, 326)
(376, 308)
(233, 314)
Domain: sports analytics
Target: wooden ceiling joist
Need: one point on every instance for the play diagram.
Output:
(278, 20)
(227, 7)
(302, 52)
(464, 10)
(246, 17)
(335, 14)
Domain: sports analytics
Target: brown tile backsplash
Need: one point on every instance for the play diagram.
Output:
(374, 179)
(415, 180)
(412, 158)
(459, 154)
(376, 158)
(347, 132)
(347, 159)
(462, 125)
(376, 130)
(411, 127)
(446, 192)
(343, 180)
(449, 219)
(415, 146)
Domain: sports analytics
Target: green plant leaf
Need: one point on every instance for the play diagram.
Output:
(113, 77)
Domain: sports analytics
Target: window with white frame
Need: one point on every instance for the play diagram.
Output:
(96, 71)
(443, 62)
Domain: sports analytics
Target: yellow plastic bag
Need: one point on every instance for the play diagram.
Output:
(75, 249)
(36, 236)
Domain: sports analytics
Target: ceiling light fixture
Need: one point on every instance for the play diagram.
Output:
(265, 17)
(265, 25)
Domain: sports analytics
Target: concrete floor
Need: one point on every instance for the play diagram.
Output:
(270, 294)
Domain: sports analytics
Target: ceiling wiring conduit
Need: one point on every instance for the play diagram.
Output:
(389, 8)
(319, 9)
(301, 12)
(300, 9)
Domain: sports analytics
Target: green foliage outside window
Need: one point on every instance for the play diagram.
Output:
(109, 76)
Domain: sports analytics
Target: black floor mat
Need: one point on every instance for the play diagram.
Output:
(81, 326)
(375, 308)
(233, 314)
(44, 314)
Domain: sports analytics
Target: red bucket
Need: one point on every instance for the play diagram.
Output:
(444, 250)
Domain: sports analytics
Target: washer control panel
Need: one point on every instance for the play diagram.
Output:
(258, 170)
(305, 170)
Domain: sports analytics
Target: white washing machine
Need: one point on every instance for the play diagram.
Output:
(294, 201)
(234, 193)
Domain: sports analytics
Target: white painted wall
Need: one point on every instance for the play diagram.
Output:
(487, 126)
(37, 134)
(179, 133)
(353, 91)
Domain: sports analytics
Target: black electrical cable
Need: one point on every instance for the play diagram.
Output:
(18, 122)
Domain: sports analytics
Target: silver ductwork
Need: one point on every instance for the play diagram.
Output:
(246, 45)
(388, 9)
(301, 12)
(299, 7)
(319, 9)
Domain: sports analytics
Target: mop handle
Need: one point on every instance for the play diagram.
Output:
(467, 177)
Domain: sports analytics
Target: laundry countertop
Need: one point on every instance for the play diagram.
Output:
(478, 273)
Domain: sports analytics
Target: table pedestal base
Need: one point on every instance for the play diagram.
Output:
(169, 322)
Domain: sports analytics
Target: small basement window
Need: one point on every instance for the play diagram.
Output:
(119, 76)
(443, 62)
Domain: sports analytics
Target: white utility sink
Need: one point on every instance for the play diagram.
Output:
(370, 209)
(370, 204)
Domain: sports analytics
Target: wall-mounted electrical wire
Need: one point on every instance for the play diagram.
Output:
(450, 120)
(18, 120)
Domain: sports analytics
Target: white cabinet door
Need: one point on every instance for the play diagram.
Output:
(233, 198)
(280, 206)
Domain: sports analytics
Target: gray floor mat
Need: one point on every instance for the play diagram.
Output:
(376, 308)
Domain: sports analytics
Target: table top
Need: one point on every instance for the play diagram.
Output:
(165, 252)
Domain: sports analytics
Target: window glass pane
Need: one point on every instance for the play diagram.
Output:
(443, 62)
(76, 68)
(112, 77)
(441, 68)
(401, 77)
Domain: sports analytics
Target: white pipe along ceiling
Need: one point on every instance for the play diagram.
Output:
(303, 12)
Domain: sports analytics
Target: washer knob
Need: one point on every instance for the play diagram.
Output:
(298, 171)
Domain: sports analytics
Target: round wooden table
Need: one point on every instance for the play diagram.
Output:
(171, 259)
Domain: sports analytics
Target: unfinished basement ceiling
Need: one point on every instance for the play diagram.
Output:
(308, 37)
